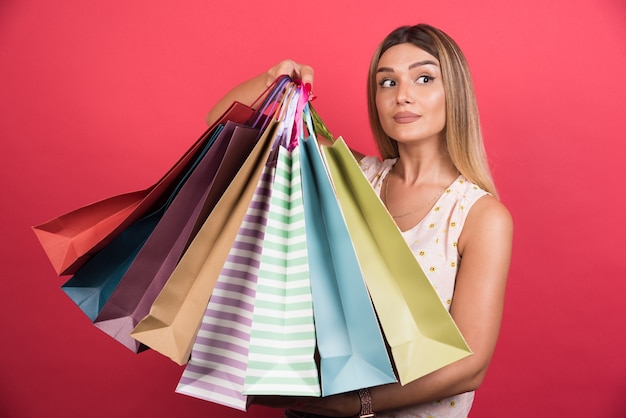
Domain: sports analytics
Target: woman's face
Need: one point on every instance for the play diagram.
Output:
(410, 97)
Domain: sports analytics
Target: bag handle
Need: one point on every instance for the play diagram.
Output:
(284, 113)
(319, 125)
(287, 115)
(266, 98)
(270, 104)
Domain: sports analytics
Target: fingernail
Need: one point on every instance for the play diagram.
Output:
(307, 87)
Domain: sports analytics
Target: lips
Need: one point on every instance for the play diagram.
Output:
(405, 117)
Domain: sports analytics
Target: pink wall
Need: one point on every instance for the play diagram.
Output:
(99, 98)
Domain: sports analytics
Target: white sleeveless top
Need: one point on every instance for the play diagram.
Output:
(434, 242)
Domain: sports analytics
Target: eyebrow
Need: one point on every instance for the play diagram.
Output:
(414, 65)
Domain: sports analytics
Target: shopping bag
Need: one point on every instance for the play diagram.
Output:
(352, 351)
(422, 334)
(153, 265)
(282, 341)
(174, 318)
(219, 357)
(94, 282)
(70, 239)
(216, 369)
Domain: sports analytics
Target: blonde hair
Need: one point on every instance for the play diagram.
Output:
(463, 137)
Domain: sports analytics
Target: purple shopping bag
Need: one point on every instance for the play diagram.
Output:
(217, 367)
(133, 297)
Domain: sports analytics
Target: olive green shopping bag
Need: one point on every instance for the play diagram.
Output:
(422, 334)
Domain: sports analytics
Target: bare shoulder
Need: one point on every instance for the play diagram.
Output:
(488, 221)
(489, 211)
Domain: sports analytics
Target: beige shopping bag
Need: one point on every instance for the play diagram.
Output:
(175, 316)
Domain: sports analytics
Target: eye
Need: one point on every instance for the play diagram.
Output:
(424, 79)
(386, 82)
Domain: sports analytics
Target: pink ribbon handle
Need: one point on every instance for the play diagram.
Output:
(304, 91)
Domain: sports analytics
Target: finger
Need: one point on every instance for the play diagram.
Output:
(306, 74)
(286, 67)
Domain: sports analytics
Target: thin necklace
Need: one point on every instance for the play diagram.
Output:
(429, 203)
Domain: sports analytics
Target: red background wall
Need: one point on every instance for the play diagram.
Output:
(99, 98)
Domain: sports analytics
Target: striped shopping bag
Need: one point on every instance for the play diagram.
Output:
(282, 342)
(219, 357)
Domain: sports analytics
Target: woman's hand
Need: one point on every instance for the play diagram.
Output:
(341, 405)
(293, 69)
(249, 91)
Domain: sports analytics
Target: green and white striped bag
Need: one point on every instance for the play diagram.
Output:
(282, 341)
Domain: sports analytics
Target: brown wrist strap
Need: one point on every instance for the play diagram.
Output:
(366, 404)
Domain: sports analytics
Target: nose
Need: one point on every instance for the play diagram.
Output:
(403, 93)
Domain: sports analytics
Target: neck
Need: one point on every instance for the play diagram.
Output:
(420, 166)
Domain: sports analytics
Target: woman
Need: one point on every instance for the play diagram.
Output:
(435, 182)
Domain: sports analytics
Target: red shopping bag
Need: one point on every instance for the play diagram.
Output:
(70, 239)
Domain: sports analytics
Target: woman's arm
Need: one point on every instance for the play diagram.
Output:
(485, 247)
(477, 305)
(249, 91)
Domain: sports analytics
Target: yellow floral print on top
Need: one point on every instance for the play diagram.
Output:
(434, 242)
